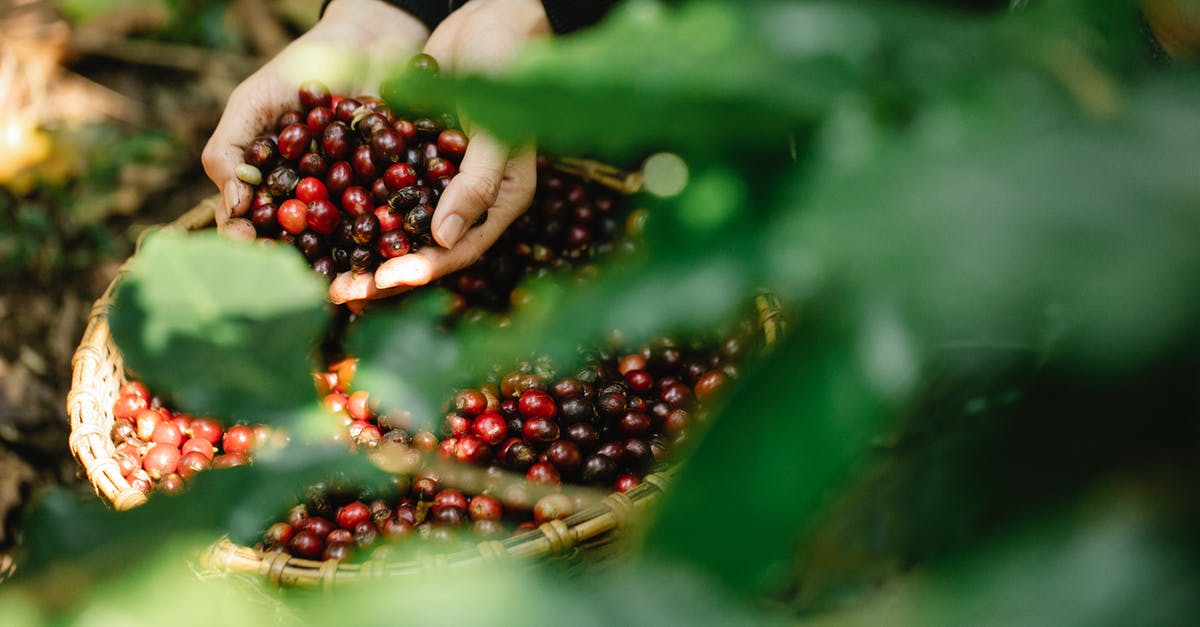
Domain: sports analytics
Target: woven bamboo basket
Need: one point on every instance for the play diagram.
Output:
(98, 373)
(97, 370)
(590, 533)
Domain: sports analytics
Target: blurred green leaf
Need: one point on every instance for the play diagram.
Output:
(1115, 564)
(997, 228)
(80, 530)
(787, 435)
(228, 328)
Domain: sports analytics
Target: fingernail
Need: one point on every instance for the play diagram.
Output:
(232, 195)
(406, 270)
(451, 230)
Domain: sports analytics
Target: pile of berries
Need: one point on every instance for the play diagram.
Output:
(351, 184)
(505, 450)
(157, 448)
(347, 181)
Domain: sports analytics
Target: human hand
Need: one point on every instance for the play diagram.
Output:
(481, 36)
(351, 49)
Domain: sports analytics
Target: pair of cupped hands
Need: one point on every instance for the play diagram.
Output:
(374, 38)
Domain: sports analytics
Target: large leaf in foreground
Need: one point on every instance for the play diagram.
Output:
(227, 328)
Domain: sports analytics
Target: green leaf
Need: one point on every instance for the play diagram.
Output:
(230, 329)
(787, 435)
(1115, 563)
(80, 530)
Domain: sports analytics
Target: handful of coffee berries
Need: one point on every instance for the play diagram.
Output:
(349, 182)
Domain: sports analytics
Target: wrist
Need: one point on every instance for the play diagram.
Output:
(370, 22)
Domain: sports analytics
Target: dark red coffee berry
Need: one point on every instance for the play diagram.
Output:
(634, 423)
(364, 164)
(288, 118)
(322, 216)
(307, 545)
(366, 229)
(387, 146)
(399, 176)
(394, 243)
(584, 435)
(345, 109)
(294, 141)
(340, 177)
(598, 470)
(542, 473)
(357, 201)
(337, 142)
(261, 153)
(317, 119)
(540, 431)
(565, 456)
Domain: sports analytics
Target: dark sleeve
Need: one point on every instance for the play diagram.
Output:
(431, 12)
(567, 16)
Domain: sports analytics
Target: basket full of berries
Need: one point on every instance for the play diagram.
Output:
(533, 462)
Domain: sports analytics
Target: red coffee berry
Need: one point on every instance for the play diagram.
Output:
(161, 459)
(484, 507)
(311, 188)
(167, 433)
(439, 168)
(537, 404)
(238, 440)
(449, 498)
(491, 427)
(626, 483)
(471, 449)
(709, 385)
(393, 242)
(146, 421)
(389, 220)
(135, 388)
(639, 380)
(128, 406)
(634, 423)
(351, 515)
(358, 405)
(293, 216)
(207, 429)
(398, 176)
(452, 143)
(192, 462)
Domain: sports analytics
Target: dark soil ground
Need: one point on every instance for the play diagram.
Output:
(137, 74)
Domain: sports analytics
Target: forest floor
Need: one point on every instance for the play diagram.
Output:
(126, 98)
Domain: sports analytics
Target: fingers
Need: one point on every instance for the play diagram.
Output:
(253, 106)
(472, 191)
(349, 287)
(429, 263)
